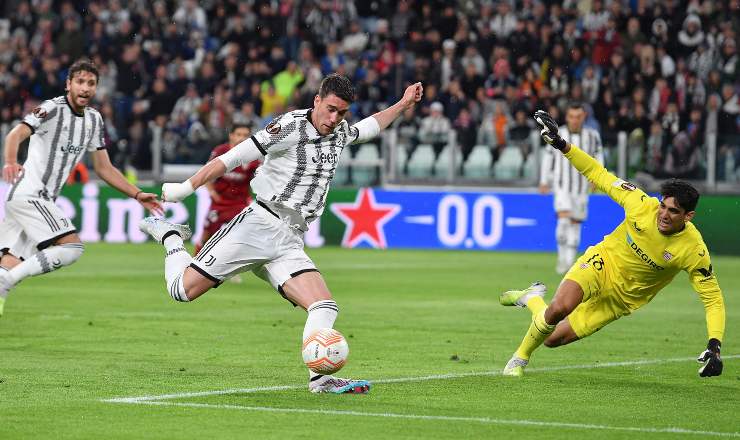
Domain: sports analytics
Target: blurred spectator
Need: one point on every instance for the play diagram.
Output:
(407, 128)
(683, 158)
(642, 66)
(435, 128)
(467, 132)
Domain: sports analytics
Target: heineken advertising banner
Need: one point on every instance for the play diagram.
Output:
(378, 218)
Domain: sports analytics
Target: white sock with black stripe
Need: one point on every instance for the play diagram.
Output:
(176, 260)
(47, 260)
(321, 314)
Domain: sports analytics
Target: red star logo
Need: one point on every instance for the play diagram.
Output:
(365, 219)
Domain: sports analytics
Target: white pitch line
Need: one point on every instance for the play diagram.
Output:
(486, 420)
(152, 398)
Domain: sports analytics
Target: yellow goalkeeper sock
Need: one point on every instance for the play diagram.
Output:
(536, 304)
(538, 331)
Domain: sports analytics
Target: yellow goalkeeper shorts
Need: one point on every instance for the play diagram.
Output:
(601, 302)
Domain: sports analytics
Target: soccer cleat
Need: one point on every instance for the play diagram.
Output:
(158, 228)
(520, 297)
(336, 385)
(515, 367)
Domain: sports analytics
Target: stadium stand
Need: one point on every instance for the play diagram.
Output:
(175, 74)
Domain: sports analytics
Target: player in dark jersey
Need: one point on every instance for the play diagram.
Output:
(230, 192)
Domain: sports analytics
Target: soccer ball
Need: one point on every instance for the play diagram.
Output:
(325, 351)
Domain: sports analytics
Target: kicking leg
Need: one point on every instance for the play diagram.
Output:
(568, 296)
(309, 291)
(184, 283)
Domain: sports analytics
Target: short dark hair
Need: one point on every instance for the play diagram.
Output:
(576, 105)
(83, 65)
(235, 127)
(338, 85)
(687, 197)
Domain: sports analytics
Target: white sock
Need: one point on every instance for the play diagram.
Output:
(573, 241)
(321, 314)
(48, 260)
(561, 236)
(3, 271)
(176, 260)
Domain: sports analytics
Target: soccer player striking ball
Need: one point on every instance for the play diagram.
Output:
(230, 192)
(301, 150)
(627, 269)
(570, 188)
(35, 236)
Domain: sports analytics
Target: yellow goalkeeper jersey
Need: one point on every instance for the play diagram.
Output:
(643, 260)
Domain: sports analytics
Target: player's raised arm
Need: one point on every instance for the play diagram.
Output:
(245, 152)
(370, 127)
(622, 192)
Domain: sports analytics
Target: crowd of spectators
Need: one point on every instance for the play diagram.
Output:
(665, 72)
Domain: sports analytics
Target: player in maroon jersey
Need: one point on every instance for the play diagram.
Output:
(229, 193)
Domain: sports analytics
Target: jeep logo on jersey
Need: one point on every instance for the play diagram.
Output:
(72, 149)
(325, 158)
(641, 254)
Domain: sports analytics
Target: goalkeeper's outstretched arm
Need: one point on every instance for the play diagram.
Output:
(620, 191)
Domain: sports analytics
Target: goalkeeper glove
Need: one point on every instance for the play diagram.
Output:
(711, 359)
(549, 131)
(174, 192)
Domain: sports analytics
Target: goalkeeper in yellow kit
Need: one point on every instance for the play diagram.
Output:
(627, 269)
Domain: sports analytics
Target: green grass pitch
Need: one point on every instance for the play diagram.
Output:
(105, 328)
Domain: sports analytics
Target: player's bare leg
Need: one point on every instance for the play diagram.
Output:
(563, 335)
(63, 252)
(544, 321)
(309, 291)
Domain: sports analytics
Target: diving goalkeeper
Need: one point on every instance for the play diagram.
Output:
(627, 269)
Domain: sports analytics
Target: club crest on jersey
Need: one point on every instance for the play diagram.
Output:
(667, 256)
(624, 185)
(273, 127)
(39, 112)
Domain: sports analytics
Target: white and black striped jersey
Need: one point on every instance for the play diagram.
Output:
(60, 138)
(557, 171)
(299, 164)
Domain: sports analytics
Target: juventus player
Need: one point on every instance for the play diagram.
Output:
(35, 236)
(301, 150)
(570, 188)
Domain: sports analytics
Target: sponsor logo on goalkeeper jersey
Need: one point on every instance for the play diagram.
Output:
(642, 255)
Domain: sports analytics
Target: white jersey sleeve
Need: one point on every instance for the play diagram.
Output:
(97, 135)
(40, 115)
(363, 131)
(277, 136)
